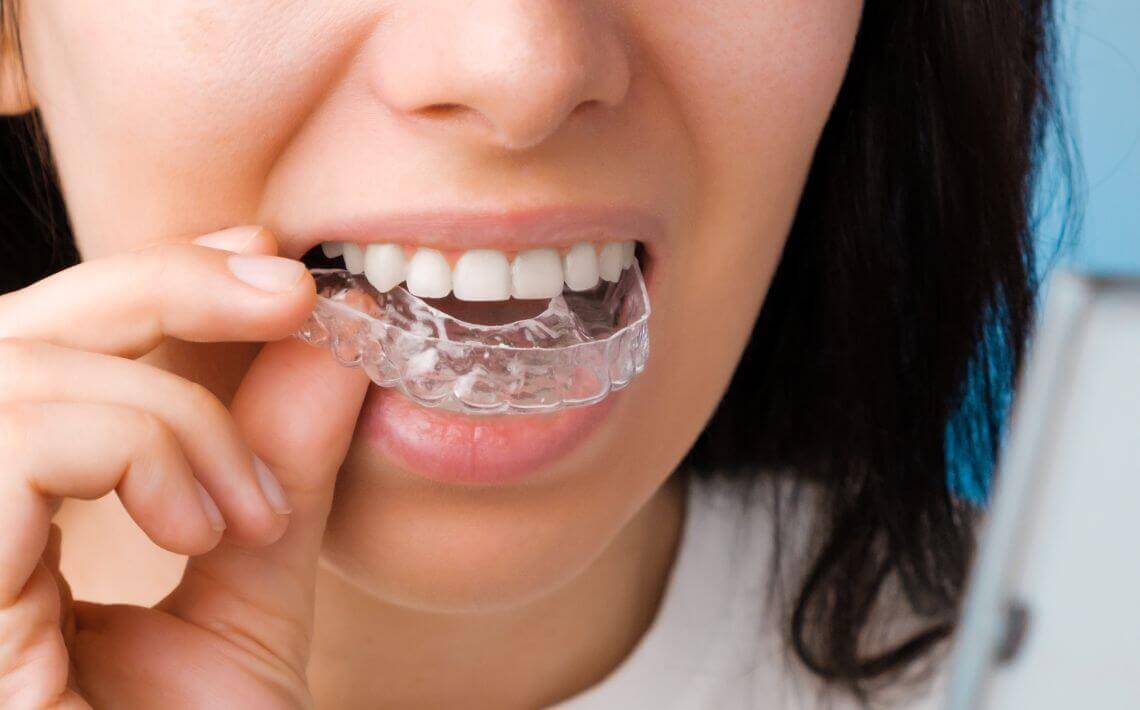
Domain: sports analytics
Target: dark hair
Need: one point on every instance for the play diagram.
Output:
(888, 344)
(33, 219)
(886, 350)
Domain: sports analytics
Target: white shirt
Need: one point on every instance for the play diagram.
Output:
(718, 639)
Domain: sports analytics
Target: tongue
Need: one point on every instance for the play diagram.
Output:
(489, 312)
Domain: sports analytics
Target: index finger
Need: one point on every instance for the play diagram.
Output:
(126, 304)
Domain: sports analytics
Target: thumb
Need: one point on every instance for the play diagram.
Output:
(297, 409)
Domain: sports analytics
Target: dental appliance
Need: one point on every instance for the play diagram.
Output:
(583, 346)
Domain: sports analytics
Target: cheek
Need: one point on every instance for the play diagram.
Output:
(754, 96)
(164, 117)
(754, 87)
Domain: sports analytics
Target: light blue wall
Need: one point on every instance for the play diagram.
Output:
(1102, 61)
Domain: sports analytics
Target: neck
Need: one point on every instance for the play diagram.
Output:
(368, 652)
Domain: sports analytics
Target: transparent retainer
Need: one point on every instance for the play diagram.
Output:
(584, 346)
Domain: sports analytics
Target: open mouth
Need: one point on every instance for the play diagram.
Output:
(485, 331)
(495, 314)
(481, 286)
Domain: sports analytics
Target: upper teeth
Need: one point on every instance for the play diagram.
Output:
(486, 274)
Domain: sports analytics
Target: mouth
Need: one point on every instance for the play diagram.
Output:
(489, 268)
(492, 269)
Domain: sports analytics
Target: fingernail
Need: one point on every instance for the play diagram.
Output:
(210, 508)
(272, 490)
(273, 274)
(234, 239)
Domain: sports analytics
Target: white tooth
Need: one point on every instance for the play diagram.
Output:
(628, 254)
(482, 275)
(353, 258)
(385, 265)
(332, 249)
(536, 273)
(609, 261)
(429, 275)
(581, 267)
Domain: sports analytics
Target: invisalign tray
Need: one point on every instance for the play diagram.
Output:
(582, 347)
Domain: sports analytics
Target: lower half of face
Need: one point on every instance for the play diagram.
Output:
(699, 118)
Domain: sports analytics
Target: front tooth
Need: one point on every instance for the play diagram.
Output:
(609, 261)
(536, 273)
(581, 267)
(429, 275)
(353, 258)
(332, 249)
(483, 275)
(385, 265)
(628, 254)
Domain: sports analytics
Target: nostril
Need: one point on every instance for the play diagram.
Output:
(442, 110)
(454, 114)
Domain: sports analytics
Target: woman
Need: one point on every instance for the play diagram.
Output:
(830, 200)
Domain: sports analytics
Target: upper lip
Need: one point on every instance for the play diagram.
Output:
(509, 230)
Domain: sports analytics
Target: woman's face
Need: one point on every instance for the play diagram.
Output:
(176, 118)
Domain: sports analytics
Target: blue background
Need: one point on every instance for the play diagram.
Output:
(1100, 75)
(1091, 222)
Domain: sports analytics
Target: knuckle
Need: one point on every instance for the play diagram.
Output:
(18, 420)
(201, 400)
(153, 266)
(154, 435)
(155, 262)
(203, 406)
(156, 266)
(18, 355)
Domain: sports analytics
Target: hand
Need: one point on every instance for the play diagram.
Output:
(80, 418)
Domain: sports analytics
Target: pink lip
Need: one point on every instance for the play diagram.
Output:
(473, 450)
(448, 230)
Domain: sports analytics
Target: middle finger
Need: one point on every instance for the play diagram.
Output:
(245, 490)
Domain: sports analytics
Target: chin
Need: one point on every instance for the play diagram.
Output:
(451, 551)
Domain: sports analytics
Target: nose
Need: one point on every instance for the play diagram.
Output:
(504, 72)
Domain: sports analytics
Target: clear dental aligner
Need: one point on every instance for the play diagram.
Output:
(585, 344)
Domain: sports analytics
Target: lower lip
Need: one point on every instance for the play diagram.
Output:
(474, 449)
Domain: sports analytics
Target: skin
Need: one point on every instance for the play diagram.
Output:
(177, 119)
